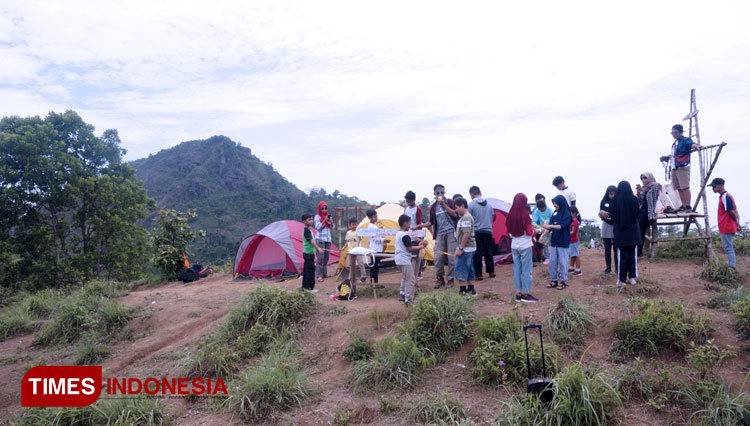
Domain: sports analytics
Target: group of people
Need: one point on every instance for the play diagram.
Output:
(462, 231)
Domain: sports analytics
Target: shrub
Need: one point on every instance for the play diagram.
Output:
(397, 362)
(276, 383)
(728, 297)
(439, 322)
(212, 359)
(741, 312)
(719, 273)
(273, 307)
(91, 351)
(437, 409)
(658, 325)
(500, 353)
(42, 304)
(708, 358)
(142, 411)
(359, 348)
(742, 241)
(569, 322)
(581, 398)
(255, 341)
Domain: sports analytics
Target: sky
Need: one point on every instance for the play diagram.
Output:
(376, 98)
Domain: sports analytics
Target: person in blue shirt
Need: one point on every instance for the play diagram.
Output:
(559, 225)
(679, 160)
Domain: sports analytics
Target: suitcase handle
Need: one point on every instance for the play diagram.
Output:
(541, 345)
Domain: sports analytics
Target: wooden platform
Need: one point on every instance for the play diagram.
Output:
(678, 215)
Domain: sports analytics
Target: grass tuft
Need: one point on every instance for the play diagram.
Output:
(142, 411)
(359, 347)
(276, 382)
(438, 409)
(439, 322)
(726, 298)
(90, 351)
(569, 322)
(397, 362)
(719, 275)
(658, 325)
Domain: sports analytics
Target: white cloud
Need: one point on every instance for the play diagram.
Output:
(394, 95)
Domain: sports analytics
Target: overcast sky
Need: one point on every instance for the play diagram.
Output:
(375, 98)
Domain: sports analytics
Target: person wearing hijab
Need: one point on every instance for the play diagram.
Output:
(323, 222)
(559, 224)
(520, 229)
(627, 233)
(648, 195)
(607, 231)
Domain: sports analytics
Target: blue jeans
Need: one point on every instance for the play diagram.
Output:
(464, 270)
(522, 269)
(727, 240)
(559, 258)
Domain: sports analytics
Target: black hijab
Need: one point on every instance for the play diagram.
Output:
(625, 206)
(606, 203)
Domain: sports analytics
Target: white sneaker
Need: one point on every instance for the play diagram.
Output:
(315, 290)
(620, 284)
(632, 281)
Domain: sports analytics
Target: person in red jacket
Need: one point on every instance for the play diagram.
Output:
(729, 219)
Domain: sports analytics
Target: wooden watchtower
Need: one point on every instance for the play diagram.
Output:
(707, 157)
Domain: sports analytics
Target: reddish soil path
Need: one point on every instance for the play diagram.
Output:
(168, 329)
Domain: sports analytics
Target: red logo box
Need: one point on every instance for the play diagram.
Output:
(61, 386)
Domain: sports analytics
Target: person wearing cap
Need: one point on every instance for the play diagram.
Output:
(729, 219)
(682, 147)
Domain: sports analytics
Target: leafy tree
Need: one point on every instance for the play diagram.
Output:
(425, 204)
(171, 240)
(588, 230)
(69, 205)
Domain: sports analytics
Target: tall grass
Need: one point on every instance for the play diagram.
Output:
(718, 274)
(440, 408)
(140, 411)
(569, 322)
(276, 382)
(728, 297)
(397, 362)
(657, 325)
(439, 322)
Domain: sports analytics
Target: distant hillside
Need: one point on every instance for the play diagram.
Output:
(234, 192)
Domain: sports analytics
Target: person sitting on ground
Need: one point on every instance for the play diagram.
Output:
(466, 247)
(443, 224)
(484, 216)
(309, 247)
(404, 250)
(575, 260)
(376, 244)
(679, 163)
(607, 230)
(570, 196)
(323, 222)
(541, 216)
(648, 196)
(353, 241)
(520, 230)
(559, 224)
(729, 219)
(627, 233)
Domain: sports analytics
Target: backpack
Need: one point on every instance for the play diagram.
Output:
(187, 275)
(347, 290)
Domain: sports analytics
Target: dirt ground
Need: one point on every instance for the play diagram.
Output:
(174, 316)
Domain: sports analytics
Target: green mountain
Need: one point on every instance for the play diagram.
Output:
(234, 193)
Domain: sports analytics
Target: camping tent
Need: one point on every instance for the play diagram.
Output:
(274, 251)
(499, 230)
(388, 217)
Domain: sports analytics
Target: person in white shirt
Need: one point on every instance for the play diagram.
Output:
(570, 196)
(376, 244)
(404, 250)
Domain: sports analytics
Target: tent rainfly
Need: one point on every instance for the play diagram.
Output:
(274, 251)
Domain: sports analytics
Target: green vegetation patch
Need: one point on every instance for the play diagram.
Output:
(440, 408)
(569, 322)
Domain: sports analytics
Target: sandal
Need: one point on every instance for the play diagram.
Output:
(552, 284)
(562, 286)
